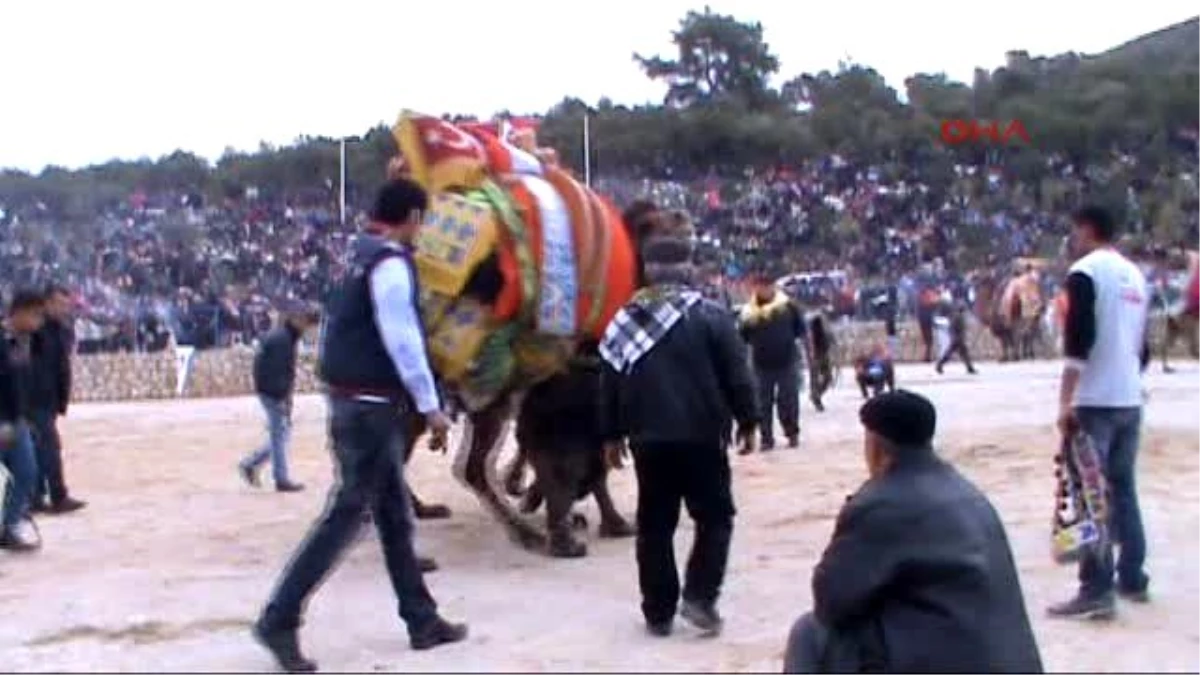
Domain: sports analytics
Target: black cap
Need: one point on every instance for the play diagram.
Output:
(904, 418)
(397, 200)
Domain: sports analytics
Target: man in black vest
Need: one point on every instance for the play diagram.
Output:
(373, 361)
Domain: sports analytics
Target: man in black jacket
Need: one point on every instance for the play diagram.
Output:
(957, 314)
(16, 441)
(919, 576)
(49, 396)
(274, 382)
(774, 328)
(675, 380)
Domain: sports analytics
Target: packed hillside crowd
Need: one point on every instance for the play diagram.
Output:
(158, 268)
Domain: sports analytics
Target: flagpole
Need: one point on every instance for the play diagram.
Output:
(342, 184)
(587, 150)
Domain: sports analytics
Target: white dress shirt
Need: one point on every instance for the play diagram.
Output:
(400, 327)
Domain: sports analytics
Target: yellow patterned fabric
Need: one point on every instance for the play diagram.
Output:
(459, 233)
(457, 333)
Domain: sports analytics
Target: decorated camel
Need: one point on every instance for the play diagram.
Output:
(1012, 307)
(519, 264)
(1183, 319)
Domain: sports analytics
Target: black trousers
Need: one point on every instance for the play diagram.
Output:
(779, 390)
(368, 444)
(670, 475)
(806, 645)
(44, 425)
(957, 346)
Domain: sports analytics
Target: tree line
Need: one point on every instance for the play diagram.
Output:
(721, 116)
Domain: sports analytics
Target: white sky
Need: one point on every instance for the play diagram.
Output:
(86, 80)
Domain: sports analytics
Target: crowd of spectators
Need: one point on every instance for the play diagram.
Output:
(182, 268)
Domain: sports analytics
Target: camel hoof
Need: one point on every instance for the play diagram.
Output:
(431, 511)
(528, 539)
(618, 528)
(578, 521)
(567, 547)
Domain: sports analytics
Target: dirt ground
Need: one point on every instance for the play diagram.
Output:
(173, 556)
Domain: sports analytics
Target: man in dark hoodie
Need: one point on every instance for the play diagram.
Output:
(918, 577)
(274, 382)
(16, 441)
(676, 378)
(50, 394)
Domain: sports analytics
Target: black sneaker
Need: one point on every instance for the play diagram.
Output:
(1081, 607)
(285, 647)
(794, 441)
(437, 632)
(767, 445)
(426, 565)
(659, 629)
(288, 486)
(702, 617)
(66, 505)
(1140, 596)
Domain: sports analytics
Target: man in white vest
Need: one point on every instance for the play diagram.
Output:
(1105, 345)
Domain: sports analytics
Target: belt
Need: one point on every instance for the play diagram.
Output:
(368, 394)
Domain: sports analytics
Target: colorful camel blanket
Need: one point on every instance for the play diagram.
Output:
(642, 323)
(517, 259)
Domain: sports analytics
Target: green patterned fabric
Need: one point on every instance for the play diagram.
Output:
(523, 248)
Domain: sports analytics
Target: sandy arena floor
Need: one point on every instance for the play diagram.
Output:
(172, 558)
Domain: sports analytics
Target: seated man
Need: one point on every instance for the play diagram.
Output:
(918, 576)
(874, 372)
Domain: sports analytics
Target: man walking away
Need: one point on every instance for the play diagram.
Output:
(919, 576)
(774, 327)
(50, 395)
(676, 378)
(274, 382)
(958, 340)
(16, 441)
(1104, 341)
(373, 361)
(821, 360)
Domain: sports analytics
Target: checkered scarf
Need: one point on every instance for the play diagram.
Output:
(642, 323)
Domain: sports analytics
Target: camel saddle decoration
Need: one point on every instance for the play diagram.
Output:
(518, 261)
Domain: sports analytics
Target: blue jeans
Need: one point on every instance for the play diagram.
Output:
(275, 449)
(21, 462)
(1115, 433)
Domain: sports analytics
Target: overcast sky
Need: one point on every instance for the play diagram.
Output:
(88, 80)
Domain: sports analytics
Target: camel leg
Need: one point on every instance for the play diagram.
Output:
(533, 498)
(475, 466)
(514, 474)
(414, 427)
(560, 498)
(612, 524)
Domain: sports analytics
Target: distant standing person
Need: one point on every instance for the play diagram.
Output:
(16, 441)
(774, 328)
(821, 341)
(676, 379)
(375, 364)
(958, 340)
(1104, 341)
(50, 395)
(275, 383)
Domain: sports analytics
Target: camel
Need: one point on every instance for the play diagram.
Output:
(1183, 320)
(489, 231)
(1012, 308)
